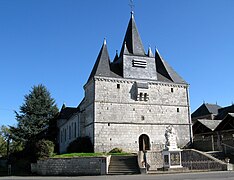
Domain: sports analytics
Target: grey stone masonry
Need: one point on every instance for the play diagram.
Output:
(72, 166)
(130, 101)
(120, 118)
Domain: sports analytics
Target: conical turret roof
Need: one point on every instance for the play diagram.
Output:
(132, 40)
(102, 64)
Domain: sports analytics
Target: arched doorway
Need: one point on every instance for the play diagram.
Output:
(144, 142)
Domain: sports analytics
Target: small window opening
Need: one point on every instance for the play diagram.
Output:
(141, 96)
(142, 118)
(145, 97)
(118, 86)
(178, 109)
(172, 90)
(108, 124)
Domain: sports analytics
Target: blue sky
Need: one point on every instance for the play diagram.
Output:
(56, 43)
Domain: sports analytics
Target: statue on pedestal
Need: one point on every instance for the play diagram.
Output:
(171, 153)
(170, 136)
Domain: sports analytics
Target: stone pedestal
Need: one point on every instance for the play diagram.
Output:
(172, 158)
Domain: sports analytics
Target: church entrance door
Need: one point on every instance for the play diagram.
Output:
(144, 142)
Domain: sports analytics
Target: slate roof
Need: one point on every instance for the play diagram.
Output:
(222, 112)
(166, 70)
(67, 112)
(102, 64)
(132, 40)
(227, 123)
(211, 124)
(206, 109)
(132, 45)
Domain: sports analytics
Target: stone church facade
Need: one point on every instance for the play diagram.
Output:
(129, 101)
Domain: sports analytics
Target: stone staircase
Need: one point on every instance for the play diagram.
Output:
(123, 165)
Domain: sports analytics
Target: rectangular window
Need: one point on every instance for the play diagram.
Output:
(178, 109)
(65, 135)
(75, 130)
(69, 132)
(172, 90)
(118, 86)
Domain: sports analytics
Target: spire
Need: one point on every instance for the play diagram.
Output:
(132, 39)
(150, 53)
(102, 64)
(166, 70)
(116, 56)
(63, 106)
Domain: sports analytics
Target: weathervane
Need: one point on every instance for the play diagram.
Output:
(131, 4)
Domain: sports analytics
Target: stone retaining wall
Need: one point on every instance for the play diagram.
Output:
(197, 160)
(191, 159)
(71, 166)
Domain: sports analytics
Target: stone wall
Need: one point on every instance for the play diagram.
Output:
(68, 132)
(192, 159)
(72, 166)
(197, 160)
(154, 160)
(120, 119)
(126, 136)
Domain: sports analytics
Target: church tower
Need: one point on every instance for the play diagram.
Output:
(130, 101)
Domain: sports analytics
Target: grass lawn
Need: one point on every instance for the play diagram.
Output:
(88, 155)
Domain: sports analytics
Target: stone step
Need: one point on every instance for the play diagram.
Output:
(123, 165)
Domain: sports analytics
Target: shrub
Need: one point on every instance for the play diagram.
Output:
(81, 144)
(44, 149)
(116, 150)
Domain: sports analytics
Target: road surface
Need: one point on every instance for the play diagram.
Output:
(224, 175)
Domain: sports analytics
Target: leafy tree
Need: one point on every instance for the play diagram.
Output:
(35, 115)
(3, 146)
(4, 136)
(44, 149)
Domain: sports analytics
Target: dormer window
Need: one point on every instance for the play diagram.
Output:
(142, 92)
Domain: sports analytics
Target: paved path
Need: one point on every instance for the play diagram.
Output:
(223, 175)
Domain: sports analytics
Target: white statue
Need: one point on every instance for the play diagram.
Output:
(170, 136)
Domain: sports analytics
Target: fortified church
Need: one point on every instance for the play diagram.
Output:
(129, 102)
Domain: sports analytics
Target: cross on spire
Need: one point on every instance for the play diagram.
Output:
(131, 4)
